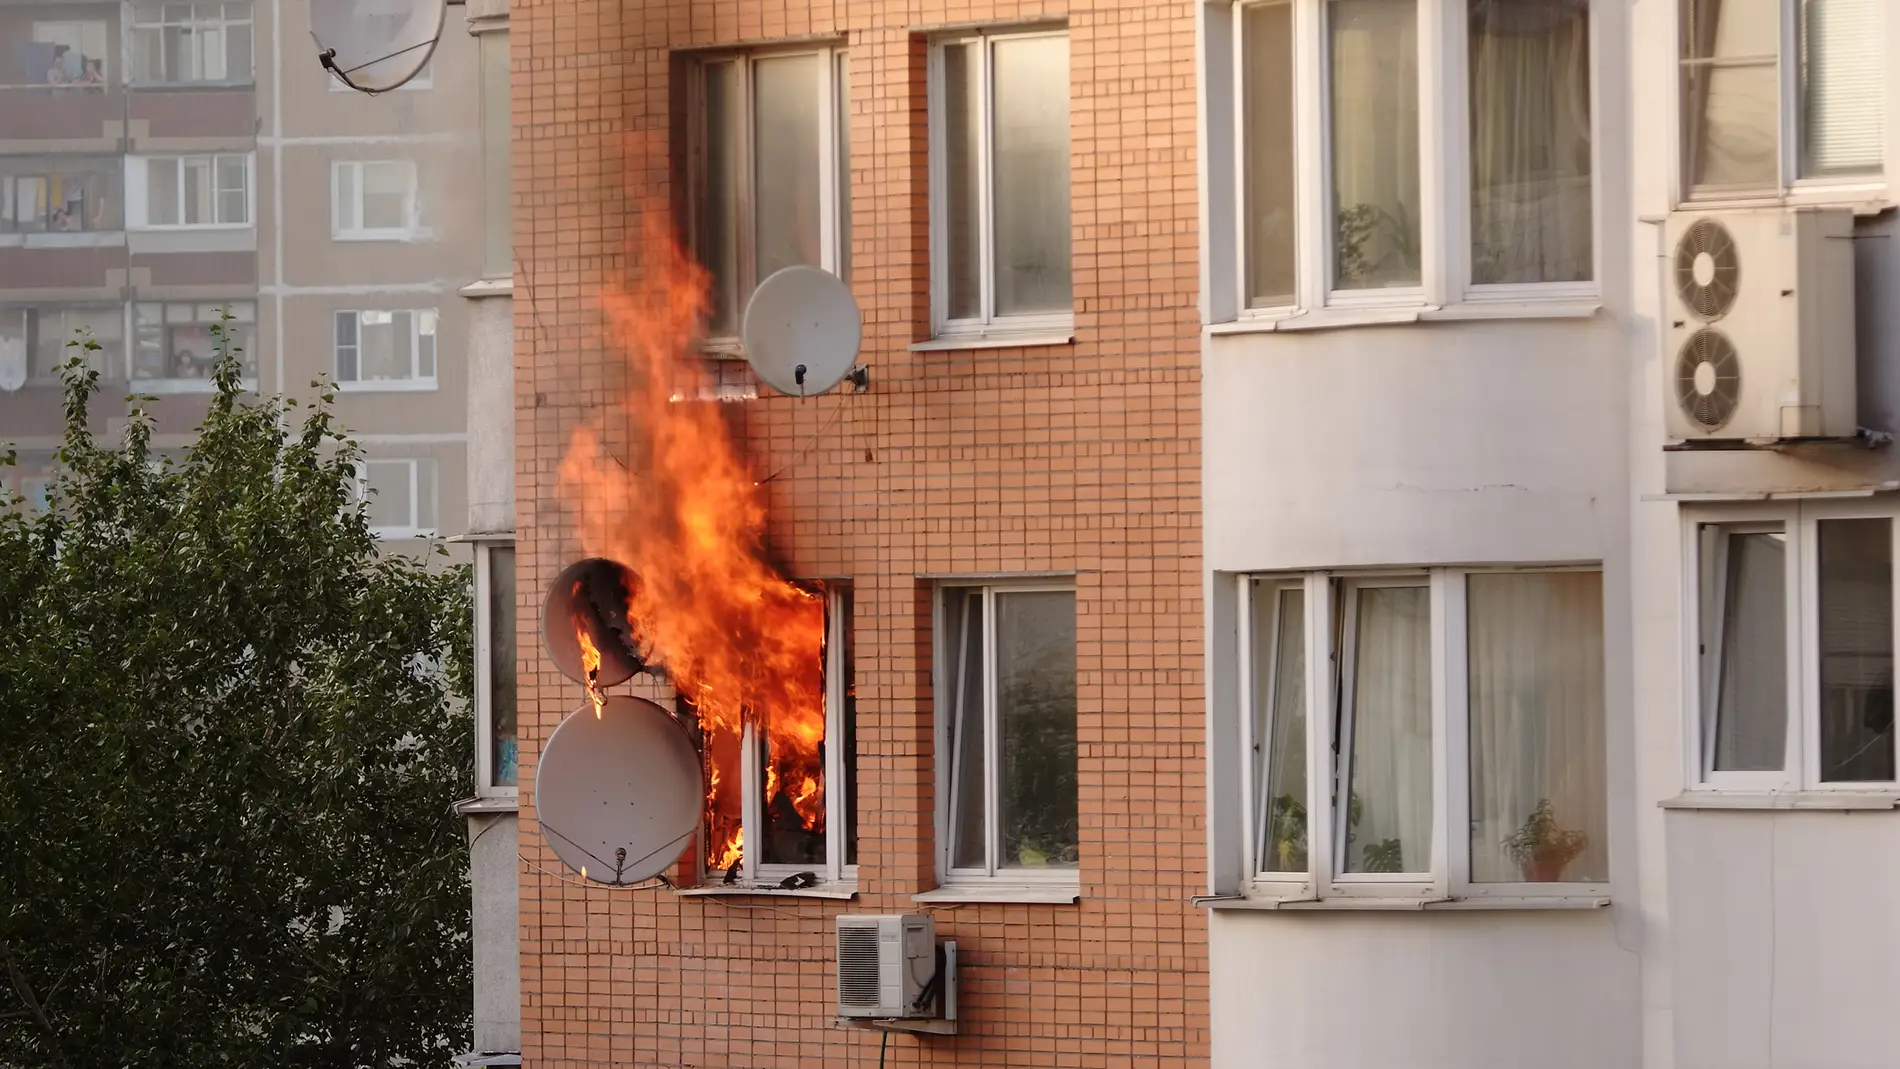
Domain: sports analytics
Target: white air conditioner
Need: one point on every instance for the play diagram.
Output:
(888, 966)
(1761, 318)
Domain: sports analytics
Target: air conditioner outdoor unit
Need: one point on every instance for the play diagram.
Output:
(889, 967)
(1761, 316)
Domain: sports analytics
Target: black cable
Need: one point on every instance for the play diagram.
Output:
(882, 1047)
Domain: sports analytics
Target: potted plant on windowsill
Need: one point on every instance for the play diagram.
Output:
(1542, 848)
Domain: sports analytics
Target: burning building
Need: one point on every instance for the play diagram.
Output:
(937, 639)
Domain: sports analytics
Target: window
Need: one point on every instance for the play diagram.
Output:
(64, 53)
(495, 668)
(55, 197)
(399, 496)
(1006, 695)
(1456, 720)
(1331, 194)
(52, 336)
(177, 344)
(768, 835)
(174, 43)
(386, 350)
(374, 200)
(768, 179)
(189, 191)
(1780, 93)
(498, 258)
(999, 129)
(1794, 617)
(35, 489)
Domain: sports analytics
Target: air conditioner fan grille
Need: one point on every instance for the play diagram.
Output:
(1708, 269)
(1709, 379)
(857, 966)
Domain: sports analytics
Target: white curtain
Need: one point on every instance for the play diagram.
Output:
(1535, 664)
(1389, 810)
(1374, 46)
(1843, 98)
(1530, 141)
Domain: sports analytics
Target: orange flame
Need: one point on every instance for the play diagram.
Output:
(590, 656)
(737, 639)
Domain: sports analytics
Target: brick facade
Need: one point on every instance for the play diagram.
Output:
(1081, 457)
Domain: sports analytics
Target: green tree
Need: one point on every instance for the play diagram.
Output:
(231, 731)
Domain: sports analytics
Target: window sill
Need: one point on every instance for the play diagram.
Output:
(1773, 800)
(171, 386)
(1463, 311)
(489, 287)
(401, 534)
(388, 386)
(488, 805)
(1032, 339)
(188, 228)
(840, 891)
(1026, 894)
(1870, 198)
(369, 236)
(1500, 904)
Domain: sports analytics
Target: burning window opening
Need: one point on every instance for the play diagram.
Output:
(774, 787)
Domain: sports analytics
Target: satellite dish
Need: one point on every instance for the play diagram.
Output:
(376, 45)
(594, 595)
(802, 329)
(619, 793)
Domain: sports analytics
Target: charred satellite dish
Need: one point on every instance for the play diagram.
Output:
(619, 791)
(376, 45)
(802, 330)
(585, 625)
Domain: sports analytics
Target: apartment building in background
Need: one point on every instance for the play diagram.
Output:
(162, 164)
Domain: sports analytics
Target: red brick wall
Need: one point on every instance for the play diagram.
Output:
(1082, 458)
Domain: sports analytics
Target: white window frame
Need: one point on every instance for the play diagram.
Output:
(992, 878)
(1789, 188)
(834, 208)
(417, 381)
(342, 229)
(1444, 178)
(1801, 771)
(133, 25)
(413, 529)
(138, 190)
(835, 875)
(987, 324)
(1327, 693)
(485, 623)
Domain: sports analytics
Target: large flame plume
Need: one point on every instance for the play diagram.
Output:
(740, 642)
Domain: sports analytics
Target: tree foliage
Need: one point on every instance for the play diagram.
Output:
(231, 733)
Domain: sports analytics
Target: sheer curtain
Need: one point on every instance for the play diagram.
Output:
(1374, 91)
(1389, 811)
(1530, 141)
(1536, 705)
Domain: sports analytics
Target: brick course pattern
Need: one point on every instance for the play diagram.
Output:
(1081, 457)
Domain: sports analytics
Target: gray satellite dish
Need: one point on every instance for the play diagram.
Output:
(596, 594)
(802, 330)
(376, 45)
(619, 794)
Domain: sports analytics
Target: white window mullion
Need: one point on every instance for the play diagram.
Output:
(986, 186)
(1320, 696)
(1447, 239)
(828, 206)
(992, 743)
(1451, 731)
(1788, 78)
(1314, 190)
(837, 803)
(1237, 29)
(1340, 766)
(1254, 739)
(1804, 641)
(746, 226)
(1441, 137)
(484, 676)
(751, 824)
